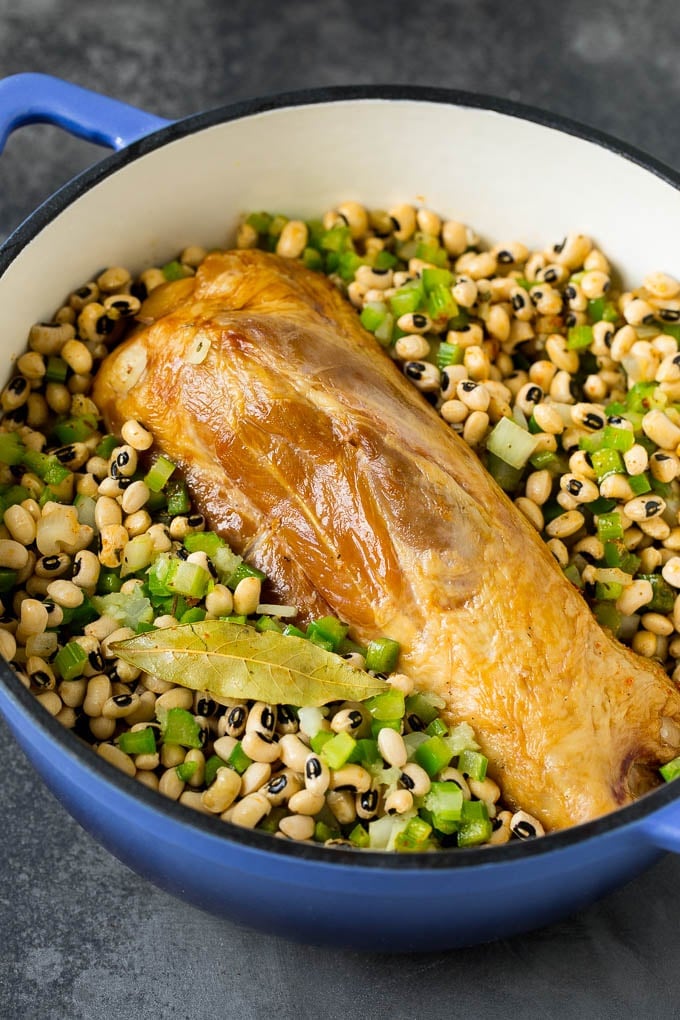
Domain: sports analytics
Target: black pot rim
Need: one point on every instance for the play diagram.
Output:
(177, 814)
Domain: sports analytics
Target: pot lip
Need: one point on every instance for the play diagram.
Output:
(176, 814)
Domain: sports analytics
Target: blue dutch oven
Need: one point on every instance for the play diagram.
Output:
(511, 172)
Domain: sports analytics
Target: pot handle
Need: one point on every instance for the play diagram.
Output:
(663, 828)
(39, 98)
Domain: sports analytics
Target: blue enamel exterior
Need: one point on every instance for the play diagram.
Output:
(372, 901)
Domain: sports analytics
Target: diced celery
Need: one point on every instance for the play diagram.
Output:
(510, 443)
(213, 763)
(238, 759)
(319, 740)
(173, 270)
(337, 239)
(663, 597)
(193, 615)
(421, 706)
(440, 303)
(608, 591)
(436, 278)
(383, 333)
(177, 496)
(159, 473)
(437, 728)
(639, 484)
(204, 541)
(389, 705)
(359, 837)
(373, 314)
(449, 354)
(366, 752)
(405, 300)
(473, 764)
(185, 578)
(579, 338)
(259, 221)
(671, 770)
(178, 726)
(12, 449)
(242, 570)
(186, 771)
(606, 462)
(127, 609)
(444, 802)
(328, 628)
(475, 827)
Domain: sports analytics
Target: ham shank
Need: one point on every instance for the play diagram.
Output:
(313, 456)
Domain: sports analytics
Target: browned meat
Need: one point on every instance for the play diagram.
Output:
(308, 450)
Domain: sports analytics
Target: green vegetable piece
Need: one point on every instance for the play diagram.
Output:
(607, 615)
(385, 260)
(70, 661)
(213, 763)
(475, 827)
(436, 278)
(449, 354)
(406, 300)
(244, 570)
(348, 264)
(359, 837)
(608, 591)
(511, 443)
(444, 802)
(384, 332)
(45, 466)
(330, 628)
(433, 755)
(185, 578)
(56, 369)
(663, 597)
(572, 573)
(609, 526)
(437, 728)
(160, 472)
(177, 725)
(259, 221)
(204, 541)
(177, 496)
(672, 329)
(138, 741)
(671, 770)
(186, 771)
(8, 579)
(238, 759)
(639, 484)
(579, 338)
(236, 661)
(291, 631)
(268, 623)
(606, 462)
(109, 581)
(337, 750)
(312, 259)
(366, 752)
(129, 610)
(107, 446)
(382, 655)
(506, 476)
(420, 705)
(323, 832)
(415, 837)
(440, 303)
(12, 449)
(319, 740)
(372, 315)
(193, 615)
(337, 239)
(389, 705)
(473, 764)
(173, 270)
(384, 724)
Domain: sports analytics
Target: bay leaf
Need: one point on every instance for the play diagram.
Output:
(236, 661)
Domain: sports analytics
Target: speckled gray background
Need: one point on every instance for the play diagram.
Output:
(81, 935)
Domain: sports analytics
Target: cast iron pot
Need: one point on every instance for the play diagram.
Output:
(512, 173)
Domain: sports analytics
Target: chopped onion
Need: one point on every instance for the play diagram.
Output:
(612, 575)
(511, 443)
(271, 610)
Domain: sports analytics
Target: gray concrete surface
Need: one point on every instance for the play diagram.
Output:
(82, 936)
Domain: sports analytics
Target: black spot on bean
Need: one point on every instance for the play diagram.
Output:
(313, 768)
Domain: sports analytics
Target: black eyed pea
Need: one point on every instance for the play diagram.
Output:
(317, 774)
(48, 338)
(355, 217)
(348, 720)
(40, 673)
(501, 831)
(392, 747)
(58, 397)
(170, 785)
(135, 497)
(147, 762)
(86, 569)
(533, 513)
(423, 375)
(398, 802)
(414, 322)
(177, 697)
(136, 435)
(66, 717)
(292, 240)
(246, 236)
(634, 596)
(304, 802)
(567, 524)
(65, 594)
(162, 542)
(72, 692)
(497, 322)
(222, 792)
(32, 366)
(415, 779)
(123, 461)
(98, 693)
(403, 219)
(350, 777)
(254, 777)
(454, 237)
(644, 508)
(281, 787)
(96, 322)
(192, 799)
(411, 347)
(286, 720)
(639, 312)
(107, 511)
(121, 634)
(582, 489)
(148, 779)
(341, 804)
(260, 747)
(484, 789)
(298, 827)
(474, 395)
(116, 757)
(77, 357)
(13, 555)
(8, 645)
(261, 719)
(250, 811)
(219, 602)
(294, 752)
(525, 826)
(33, 619)
(112, 538)
(197, 756)
(233, 722)
(367, 803)
(126, 305)
(15, 393)
(102, 728)
(172, 755)
(454, 411)
(120, 705)
(137, 525)
(113, 279)
(247, 595)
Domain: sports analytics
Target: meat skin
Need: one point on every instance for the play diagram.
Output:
(311, 454)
